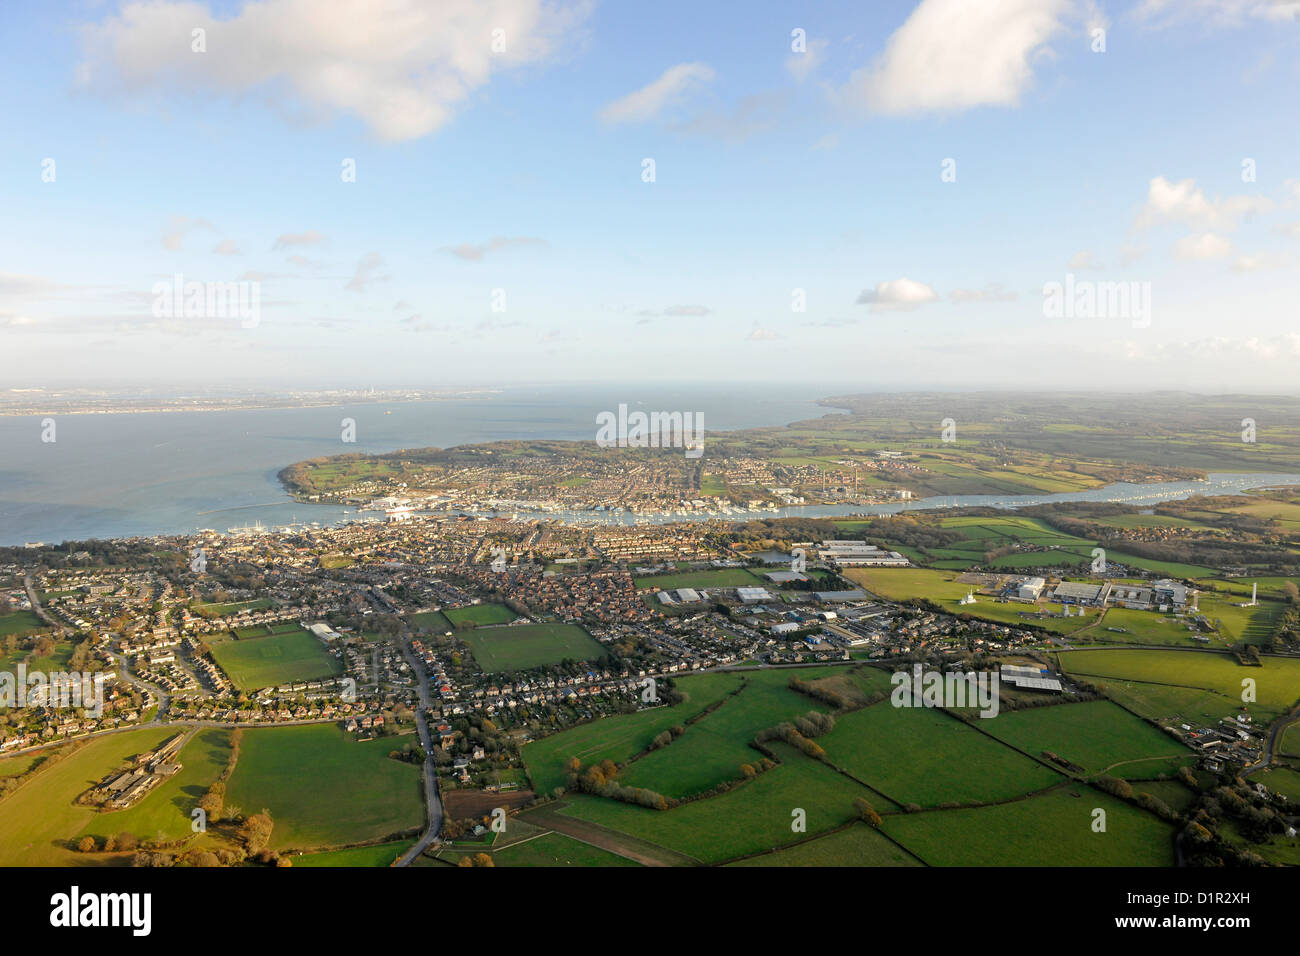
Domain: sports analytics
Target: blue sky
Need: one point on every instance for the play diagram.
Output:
(520, 170)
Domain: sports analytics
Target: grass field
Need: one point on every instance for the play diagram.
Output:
(1193, 686)
(920, 755)
(618, 738)
(1290, 742)
(1281, 780)
(381, 854)
(754, 817)
(856, 845)
(942, 588)
(268, 661)
(547, 849)
(430, 622)
(712, 749)
(166, 810)
(1149, 627)
(1052, 829)
(39, 819)
(1096, 735)
(524, 646)
(478, 614)
(20, 623)
(322, 789)
(712, 578)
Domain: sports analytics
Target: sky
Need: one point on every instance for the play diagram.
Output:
(894, 194)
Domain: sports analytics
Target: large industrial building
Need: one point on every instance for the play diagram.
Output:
(848, 554)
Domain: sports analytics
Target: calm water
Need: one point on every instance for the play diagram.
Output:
(173, 472)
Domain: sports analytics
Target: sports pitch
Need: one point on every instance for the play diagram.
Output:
(258, 662)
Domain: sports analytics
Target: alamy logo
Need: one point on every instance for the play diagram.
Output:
(221, 301)
(60, 690)
(651, 430)
(922, 688)
(1085, 299)
(73, 909)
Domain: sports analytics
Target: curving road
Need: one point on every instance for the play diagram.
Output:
(426, 741)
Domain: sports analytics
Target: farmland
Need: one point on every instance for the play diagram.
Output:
(1187, 685)
(369, 796)
(855, 845)
(38, 820)
(753, 817)
(1096, 735)
(523, 646)
(166, 810)
(712, 750)
(619, 738)
(922, 756)
(268, 661)
(1052, 829)
(379, 854)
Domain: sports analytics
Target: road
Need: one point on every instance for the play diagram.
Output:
(1270, 742)
(35, 601)
(426, 741)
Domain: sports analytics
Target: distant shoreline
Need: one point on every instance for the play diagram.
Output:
(242, 405)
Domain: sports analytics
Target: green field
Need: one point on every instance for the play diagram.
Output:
(478, 614)
(1149, 627)
(258, 662)
(712, 578)
(381, 854)
(712, 749)
(524, 646)
(619, 738)
(39, 820)
(1097, 735)
(20, 623)
(754, 817)
(856, 845)
(1052, 829)
(1193, 686)
(323, 789)
(1290, 742)
(547, 849)
(923, 756)
(942, 588)
(1281, 780)
(166, 809)
(430, 622)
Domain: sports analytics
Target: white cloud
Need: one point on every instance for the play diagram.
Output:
(227, 247)
(993, 292)
(287, 240)
(759, 334)
(1163, 13)
(1083, 259)
(178, 227)
(802, 65)
(475, 253)
(401, 66)
(1182, 202)
(1206, 245)
(958, 54)
(647, 102)
(365, 273)
(896, 294)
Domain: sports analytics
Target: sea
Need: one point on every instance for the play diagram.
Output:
(110, 475)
